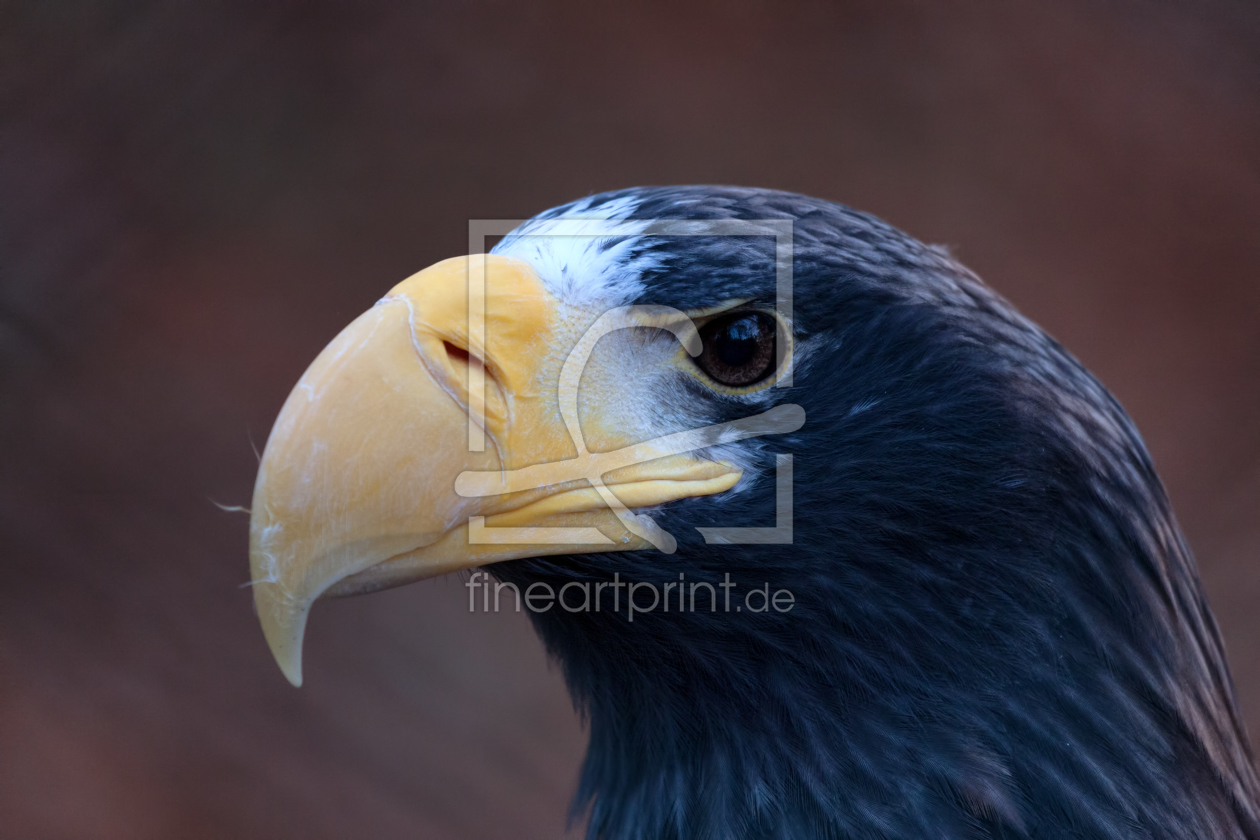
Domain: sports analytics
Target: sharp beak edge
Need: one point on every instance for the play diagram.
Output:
(357, 486)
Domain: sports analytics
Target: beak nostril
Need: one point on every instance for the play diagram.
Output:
(458, 355)
(461, 361)
(490, 399)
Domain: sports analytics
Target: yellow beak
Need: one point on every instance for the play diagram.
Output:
(432, 436)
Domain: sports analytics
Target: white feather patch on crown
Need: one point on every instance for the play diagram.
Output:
(591, 263)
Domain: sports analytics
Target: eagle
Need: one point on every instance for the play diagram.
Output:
(827, 538)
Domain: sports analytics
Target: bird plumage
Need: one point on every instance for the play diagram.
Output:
(998, 629)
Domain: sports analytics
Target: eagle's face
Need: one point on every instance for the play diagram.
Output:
(529, 402)
(987, 599)
(622, 354)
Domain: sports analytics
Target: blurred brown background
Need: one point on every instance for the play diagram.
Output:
(195, 197)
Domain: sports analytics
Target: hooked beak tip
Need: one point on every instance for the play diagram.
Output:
(283, 620)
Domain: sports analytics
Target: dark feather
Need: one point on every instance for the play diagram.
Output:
(999, 631)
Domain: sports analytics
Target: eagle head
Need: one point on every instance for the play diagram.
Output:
(829, 540)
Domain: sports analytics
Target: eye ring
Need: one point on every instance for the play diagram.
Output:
(740, 349)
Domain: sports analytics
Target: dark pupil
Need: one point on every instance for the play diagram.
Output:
(737, 344)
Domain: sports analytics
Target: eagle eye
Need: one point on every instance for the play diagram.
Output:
(739, 348)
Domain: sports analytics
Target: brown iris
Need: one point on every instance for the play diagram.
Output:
(739, 348)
